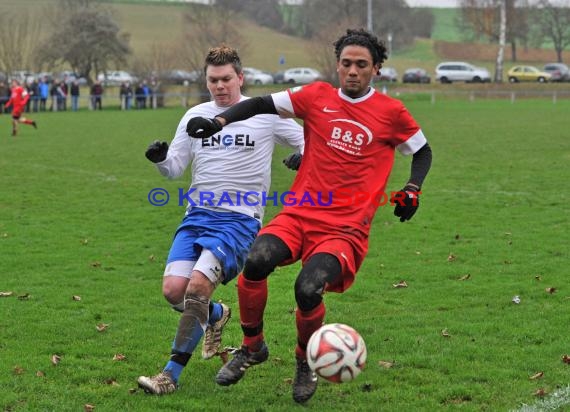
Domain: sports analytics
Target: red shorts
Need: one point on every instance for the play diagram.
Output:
(305, 237)
(17, 112)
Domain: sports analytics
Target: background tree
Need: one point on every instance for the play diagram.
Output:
(553, 23)
(481, 19)
(18, 41)
(321, 49)
(502, 41)
(389, 16)
(85, 36)
(264, 12)
(206, 27)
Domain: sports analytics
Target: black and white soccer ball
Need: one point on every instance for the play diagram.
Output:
(336, 352)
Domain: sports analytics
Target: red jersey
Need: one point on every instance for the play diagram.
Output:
(349, 153)
(18, 98)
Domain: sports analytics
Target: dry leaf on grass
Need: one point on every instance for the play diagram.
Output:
(96, 264)
(55, 359)
(385, 364)
(40, 374)
(401, 284)
(540, 392)
(465, 277)
(451, 257)
(111, 381)
(88, 407)
(133, 390)
(550, 290)
(119, 357)
(6, 294)
(537, 376)
(76, 298)
(102, 327)
(84, 241)
(537, 277)
(151, 258)
(25, 296)
(566, 359)
(18, 370)
(445, 333)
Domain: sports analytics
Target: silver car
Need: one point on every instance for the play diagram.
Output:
(449, 72)
(301, 75)
(256, 76)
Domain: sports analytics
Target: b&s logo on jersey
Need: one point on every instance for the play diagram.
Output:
(229, 142)
(349, 136)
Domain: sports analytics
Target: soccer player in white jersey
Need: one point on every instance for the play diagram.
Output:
(223, 215)
(351, 135)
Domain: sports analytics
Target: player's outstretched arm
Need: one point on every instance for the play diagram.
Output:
(201, 127)
(407, 200)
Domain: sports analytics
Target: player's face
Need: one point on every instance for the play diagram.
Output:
(224, 84)
(355, 70)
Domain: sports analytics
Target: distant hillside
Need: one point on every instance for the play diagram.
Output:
(161, 23)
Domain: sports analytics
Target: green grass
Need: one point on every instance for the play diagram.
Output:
(75, 220)
(445, 24)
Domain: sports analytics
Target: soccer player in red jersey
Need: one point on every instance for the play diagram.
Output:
(18, 100)
(351, 135)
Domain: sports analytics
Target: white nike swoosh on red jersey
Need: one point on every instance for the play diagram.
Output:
(327, 110)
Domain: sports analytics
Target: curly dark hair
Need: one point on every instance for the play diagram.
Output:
(360, 37)
(222, 55)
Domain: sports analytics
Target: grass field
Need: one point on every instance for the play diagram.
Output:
(75, 221)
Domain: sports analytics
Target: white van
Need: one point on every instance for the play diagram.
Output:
(448, 72)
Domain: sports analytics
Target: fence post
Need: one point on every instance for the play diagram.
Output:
(512, 97)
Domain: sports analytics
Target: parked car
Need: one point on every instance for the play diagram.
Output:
(301, 75)
(70, 76)
(256, 76)
(23, 76)
(278, 77)
(448, 72)
(416, 75)
(387, 74)
(559, 72)
(116, 77)
(527, 74)
(181, 76)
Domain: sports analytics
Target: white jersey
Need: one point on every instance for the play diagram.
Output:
(231, 170)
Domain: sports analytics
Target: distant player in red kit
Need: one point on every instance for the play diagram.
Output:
(351, 134)
(18, 100)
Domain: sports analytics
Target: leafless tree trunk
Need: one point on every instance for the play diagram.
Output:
(554, 23)
(207, 27)
(19, 33)
(502, 41)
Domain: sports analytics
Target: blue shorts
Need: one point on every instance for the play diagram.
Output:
(228, 235)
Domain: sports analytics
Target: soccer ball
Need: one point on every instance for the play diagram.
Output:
(336, 352)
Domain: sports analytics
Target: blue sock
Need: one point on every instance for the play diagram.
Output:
(175, 369)
(216, 314)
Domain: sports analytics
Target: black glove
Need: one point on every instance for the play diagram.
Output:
(156, 151)
(200, 127)
(293, 161)
(407, 202)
